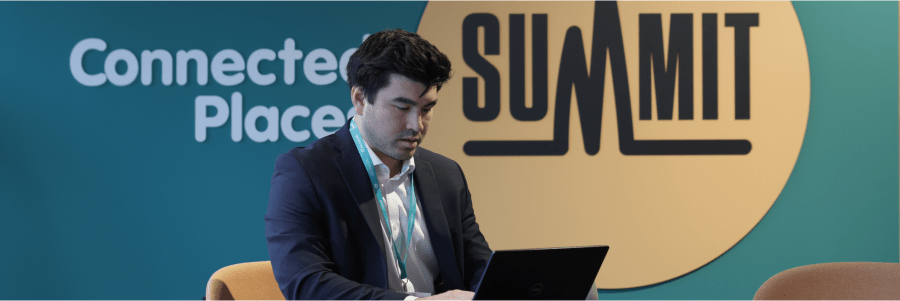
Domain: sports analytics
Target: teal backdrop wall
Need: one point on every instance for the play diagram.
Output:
(105, 192)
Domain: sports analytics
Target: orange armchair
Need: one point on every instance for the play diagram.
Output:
(834, 281)
(244, 281)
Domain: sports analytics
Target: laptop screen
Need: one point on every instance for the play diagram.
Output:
(541, 274)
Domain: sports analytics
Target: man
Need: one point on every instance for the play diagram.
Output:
(365, 213)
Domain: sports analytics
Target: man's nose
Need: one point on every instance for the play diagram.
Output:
(415, 121)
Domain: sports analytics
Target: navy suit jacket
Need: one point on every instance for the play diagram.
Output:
(323, 228)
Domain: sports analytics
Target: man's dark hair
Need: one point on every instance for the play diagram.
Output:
(396, 52)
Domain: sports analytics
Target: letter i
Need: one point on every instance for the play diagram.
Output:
(710, 67)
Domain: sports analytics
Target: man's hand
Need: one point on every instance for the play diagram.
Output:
(451, 295)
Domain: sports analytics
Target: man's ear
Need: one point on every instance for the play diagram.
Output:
(358, 98)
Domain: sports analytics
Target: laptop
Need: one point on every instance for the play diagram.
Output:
(541, 274)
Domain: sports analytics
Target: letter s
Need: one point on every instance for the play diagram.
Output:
(481, 66)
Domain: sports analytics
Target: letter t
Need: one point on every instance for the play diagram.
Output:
(289, 55)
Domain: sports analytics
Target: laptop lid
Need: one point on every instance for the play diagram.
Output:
(541, 274)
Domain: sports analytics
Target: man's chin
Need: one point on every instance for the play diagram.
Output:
(404, 154)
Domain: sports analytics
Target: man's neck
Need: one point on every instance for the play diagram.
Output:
(393, 165)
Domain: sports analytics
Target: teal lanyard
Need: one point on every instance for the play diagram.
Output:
(411, 216)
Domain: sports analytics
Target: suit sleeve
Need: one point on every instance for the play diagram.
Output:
(477, 251)
(297, 237)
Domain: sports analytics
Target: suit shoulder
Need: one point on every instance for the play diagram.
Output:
(441, 161)
(317, 151)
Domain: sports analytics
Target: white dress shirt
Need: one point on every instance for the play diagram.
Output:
(421, 265)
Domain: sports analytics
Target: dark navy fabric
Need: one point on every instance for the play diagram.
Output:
(324, 233)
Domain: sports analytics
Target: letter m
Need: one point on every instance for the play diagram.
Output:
(680, 56)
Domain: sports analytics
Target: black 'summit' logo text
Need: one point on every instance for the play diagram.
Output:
(588, 81)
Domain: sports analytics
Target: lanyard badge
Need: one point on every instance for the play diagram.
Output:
(411, 215)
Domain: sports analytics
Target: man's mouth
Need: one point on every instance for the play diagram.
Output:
(412, 142)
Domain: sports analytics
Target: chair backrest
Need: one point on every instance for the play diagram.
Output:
(835, 281)
(244, 281)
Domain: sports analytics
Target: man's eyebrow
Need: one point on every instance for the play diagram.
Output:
(407, 101)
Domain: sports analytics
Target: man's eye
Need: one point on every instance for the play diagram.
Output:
(403, 108)
(426, 110)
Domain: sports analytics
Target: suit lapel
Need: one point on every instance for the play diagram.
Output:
(351, 168)
(350, 165)
(438, 231)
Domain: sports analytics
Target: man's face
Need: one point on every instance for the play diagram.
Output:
(396, 123)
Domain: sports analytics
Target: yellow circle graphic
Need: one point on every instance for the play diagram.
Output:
(664, 130)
